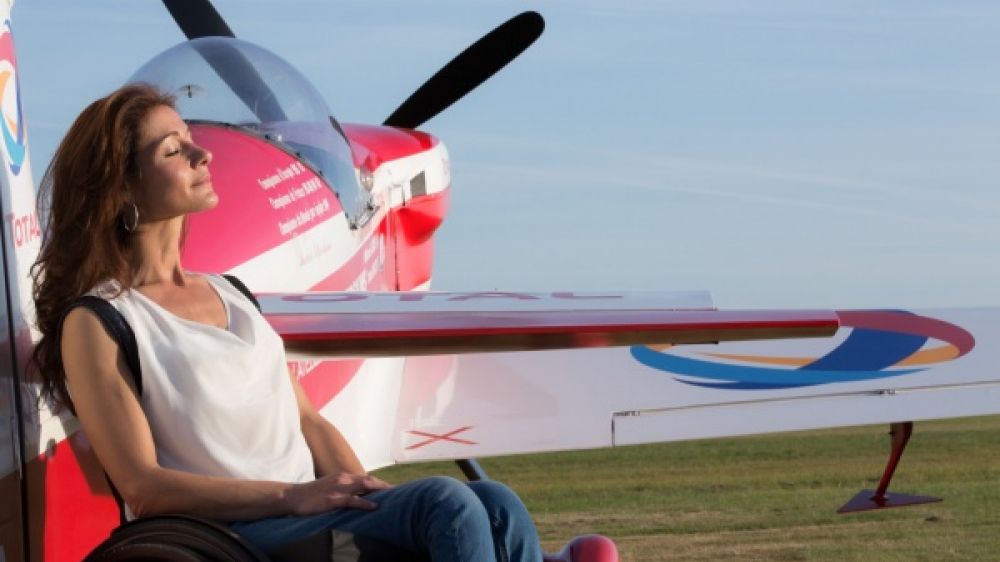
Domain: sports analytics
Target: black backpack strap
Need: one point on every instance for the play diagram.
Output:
(119, 329)
(235, 282)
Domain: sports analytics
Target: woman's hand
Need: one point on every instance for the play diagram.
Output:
(333, 492)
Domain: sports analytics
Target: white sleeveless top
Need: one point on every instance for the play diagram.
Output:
(219, 402)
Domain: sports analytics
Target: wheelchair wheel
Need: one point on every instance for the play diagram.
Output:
(174, 538)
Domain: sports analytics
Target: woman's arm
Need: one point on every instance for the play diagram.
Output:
(106, 404)
(331, 453)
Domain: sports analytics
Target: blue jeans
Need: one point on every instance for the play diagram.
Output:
(441, 516)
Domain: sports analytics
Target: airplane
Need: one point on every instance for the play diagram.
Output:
(332, 225)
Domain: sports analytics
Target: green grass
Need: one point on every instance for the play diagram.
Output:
(766, 498)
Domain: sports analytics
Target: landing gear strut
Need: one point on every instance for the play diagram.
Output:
(899, 435)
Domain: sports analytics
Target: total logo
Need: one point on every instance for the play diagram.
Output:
(881, 344)
(11, 122)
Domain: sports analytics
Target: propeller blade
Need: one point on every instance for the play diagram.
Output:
(198, 18)
(243, 79)
(468, 70)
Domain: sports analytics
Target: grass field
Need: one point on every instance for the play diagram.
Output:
(766, 498)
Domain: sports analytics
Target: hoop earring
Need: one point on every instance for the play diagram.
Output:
(131, 220)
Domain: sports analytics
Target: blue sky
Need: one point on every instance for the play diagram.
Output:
(779, 154)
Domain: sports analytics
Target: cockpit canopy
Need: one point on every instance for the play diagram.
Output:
(225, 80)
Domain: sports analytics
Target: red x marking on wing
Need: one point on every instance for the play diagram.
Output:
(434, 437)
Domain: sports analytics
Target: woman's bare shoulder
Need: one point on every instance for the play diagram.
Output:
(86, 343)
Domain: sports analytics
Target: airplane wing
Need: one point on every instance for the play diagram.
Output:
(339, 324)
(386, 348)
(881, 367)
(502, 373)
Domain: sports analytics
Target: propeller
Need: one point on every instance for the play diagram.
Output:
(198, 18)
(472, 67)
(469, 69)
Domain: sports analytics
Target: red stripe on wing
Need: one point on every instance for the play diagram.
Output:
(413, 333)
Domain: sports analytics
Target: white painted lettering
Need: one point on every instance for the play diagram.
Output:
(471, 296)
(573, 296)
(324, 297)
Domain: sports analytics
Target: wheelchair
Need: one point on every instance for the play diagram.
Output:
(183, 538)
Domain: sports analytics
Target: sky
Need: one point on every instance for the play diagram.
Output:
(787, 153)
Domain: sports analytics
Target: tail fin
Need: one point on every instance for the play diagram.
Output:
(20, 240)
(21, 227)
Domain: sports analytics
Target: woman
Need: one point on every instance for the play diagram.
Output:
(221, 429)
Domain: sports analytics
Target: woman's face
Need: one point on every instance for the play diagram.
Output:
(174, 178)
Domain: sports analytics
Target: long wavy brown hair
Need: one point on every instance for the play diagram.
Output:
(85, 242)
